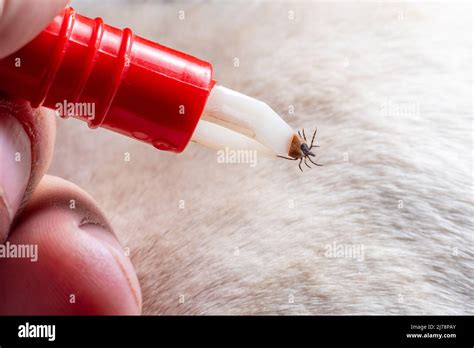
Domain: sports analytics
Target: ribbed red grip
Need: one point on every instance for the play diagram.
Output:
(134, 86)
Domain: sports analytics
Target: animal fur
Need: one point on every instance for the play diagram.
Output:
(389, 87)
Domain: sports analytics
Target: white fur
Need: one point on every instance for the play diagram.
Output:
(347, 68)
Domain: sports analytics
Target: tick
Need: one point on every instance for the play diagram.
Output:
(299, 149)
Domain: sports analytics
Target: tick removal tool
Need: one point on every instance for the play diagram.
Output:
(143, 90)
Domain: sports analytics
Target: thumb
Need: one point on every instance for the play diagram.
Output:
(22, 20)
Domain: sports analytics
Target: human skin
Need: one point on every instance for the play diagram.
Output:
(388, 87)
(80, 267)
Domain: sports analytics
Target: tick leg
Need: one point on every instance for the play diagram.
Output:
(299, 134)
(304, 136)
(312, 140)
(288, 158)
(299, 165)
(306, 163)
(320, 165)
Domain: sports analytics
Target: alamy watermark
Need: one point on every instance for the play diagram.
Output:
(350, 251)
(28, 330)
(400, 108)
(68, 109)
(232, 156)
(19, 251)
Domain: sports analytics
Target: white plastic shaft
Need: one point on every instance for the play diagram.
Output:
(217, 137)
(259, 126)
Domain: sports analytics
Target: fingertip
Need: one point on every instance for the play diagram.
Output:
(15, 169)
(81, 268)
(22, 20)
(26, 148)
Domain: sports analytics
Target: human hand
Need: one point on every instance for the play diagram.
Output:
(71, 261)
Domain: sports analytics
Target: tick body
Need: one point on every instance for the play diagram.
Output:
(299, 150)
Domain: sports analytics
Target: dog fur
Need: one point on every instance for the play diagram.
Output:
(389, 87)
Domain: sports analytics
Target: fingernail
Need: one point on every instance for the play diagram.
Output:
(124, 265)
(15, 168)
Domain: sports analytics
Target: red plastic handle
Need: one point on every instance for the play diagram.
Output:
(133, 86)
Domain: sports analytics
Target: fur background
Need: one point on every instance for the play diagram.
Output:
(389, 86)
